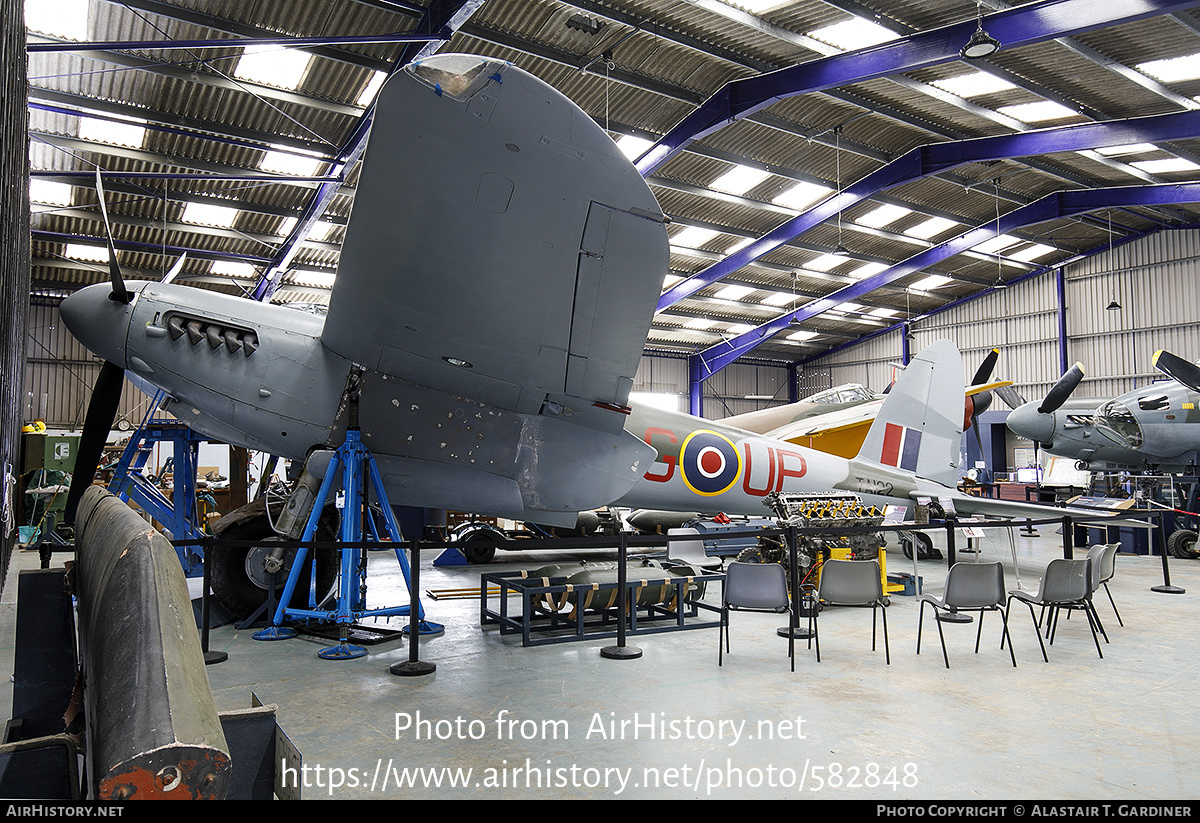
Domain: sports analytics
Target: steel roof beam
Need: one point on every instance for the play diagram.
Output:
(1033, 23)
(1051, 207)
(926, 160)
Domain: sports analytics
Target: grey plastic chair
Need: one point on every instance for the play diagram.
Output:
(1066, 584)
(1106, 572)
(756, 587)
(852, 583)
(970, 587)
(684, 545)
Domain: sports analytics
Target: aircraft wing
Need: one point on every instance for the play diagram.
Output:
(501, 247)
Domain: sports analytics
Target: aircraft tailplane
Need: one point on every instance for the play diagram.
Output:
(919, 426)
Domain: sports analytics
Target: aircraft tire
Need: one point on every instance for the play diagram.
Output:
(924, 545)
(1182, 544)
(239, 585)
(478, 547)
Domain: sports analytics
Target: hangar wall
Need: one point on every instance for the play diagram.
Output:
(1153, 279)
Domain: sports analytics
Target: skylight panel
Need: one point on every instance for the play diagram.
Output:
(286, 226)
(699, 323)
(883, 216)
(801, 196)
(273, 66)
(288, 162)
(802, 335)
(868, 270)
(1032, 252)
(778, 298)
(848, 308)
(853, 34)
(996, 244)
(975, 84)
(67, 19)
(825, 262)
(883, 312)
(50, 192)
(756, 6)
(933, 281)
(205, 214)
(733, 292)
(314, 279)
(739, 180)
(739, 328)
(739, 245)
(367, 96)
(930, 228)
(1038, 112)
(232, 268)
(1129, 148)
(1173, 69)
(693, 237)
(670, 280)
(1169, 164)
(632, 146)
(121, 132)
(82, 251)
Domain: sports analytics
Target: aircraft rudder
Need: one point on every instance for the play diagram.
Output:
(919, 426)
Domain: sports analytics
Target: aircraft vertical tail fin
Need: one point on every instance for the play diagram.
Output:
(919, 426)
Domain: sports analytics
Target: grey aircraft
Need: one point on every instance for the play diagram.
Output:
(495, 288)
(1155, 428)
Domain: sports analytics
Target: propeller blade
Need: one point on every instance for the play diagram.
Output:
(1176, 367)
(984, 373)
(176, 269)
(119, 292)
(1011, 397)
(106, 397)
(1061, 390)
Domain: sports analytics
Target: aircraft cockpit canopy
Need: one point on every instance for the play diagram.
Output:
(1117, 421)
(846, 393)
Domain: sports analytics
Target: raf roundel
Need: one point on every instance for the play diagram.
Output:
(711, 463)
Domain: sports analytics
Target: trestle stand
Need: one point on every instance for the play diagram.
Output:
(358, 468)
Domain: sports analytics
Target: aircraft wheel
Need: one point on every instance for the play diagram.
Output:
(1182, 544)
(923, 542)
(479, 547)
(240, 580)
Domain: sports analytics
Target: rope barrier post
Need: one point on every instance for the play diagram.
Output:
(621, 651)
(413, 667)
(210, 657)
(1166, 587)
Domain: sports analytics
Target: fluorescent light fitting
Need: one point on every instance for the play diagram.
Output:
(274, 66)
(1038, 112)
(883, 215)
(975, 84)
(739, 180)
(853, 34)
(801, 196)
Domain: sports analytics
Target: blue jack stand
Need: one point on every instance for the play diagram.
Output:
(358, 467)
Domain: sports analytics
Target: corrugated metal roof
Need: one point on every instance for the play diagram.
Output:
(648, 66)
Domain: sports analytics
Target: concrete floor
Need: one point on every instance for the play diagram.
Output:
(563, 722)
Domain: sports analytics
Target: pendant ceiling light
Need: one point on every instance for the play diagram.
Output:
(980, 44)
